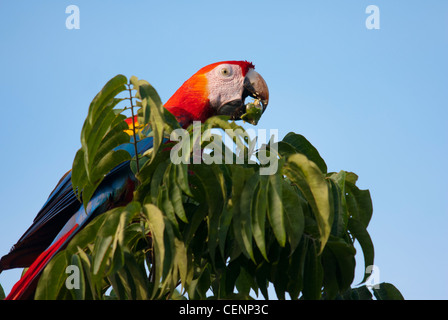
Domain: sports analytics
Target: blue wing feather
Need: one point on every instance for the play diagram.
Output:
(63, 210)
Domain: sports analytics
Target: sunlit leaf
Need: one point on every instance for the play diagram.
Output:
(341, 214)
(157, 224)
(294, 217)
(301, 145)
(310, 180)
(275, 208)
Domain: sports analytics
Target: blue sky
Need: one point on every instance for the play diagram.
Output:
(374, 102)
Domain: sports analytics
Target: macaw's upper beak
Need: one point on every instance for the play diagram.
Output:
(254, 86)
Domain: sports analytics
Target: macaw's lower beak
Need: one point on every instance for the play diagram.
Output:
(255, 87)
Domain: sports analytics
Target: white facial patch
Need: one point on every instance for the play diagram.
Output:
(225, 84)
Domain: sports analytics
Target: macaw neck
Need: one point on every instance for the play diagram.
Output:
(190, 102)
(196, 112)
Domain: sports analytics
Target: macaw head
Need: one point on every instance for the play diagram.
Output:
(218, 89)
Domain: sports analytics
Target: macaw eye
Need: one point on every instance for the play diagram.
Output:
(225, 71)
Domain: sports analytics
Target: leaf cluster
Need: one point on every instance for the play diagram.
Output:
(216, 231)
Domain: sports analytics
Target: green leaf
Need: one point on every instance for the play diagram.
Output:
(2, 293)
(387, 291)
(113, 87)
(280, 277)
(344, 255)
(360, 293)
(125, 281)
(117, 286)
(341, 215)
(181, 261)
(175, 194)
(165, 204)
(97, 135)
(156, 181)
(181, 177)
(53, 278)
(351, 177)
(262, 274)
(224, 226)
(109, 161)
(313, 274)
(149, 97)
(294, 217)
(114, 138)
(359, 203)
(140, 283)
(360, 233)
(153, 111)
(79, 175)
(203, 283)
(275, 208)
(197, 218)
(259, 215)
(86, 265)
(87, 235)
(211, 183)
(227, 280)
(101, 133)
(331, 274)
(303, 146)
(157, 223)
(100, 254)
(243, 218)
(296, 270)
(310, 180)
(244, 282)
(78, 293)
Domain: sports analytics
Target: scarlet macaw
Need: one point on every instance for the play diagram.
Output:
(217, 89)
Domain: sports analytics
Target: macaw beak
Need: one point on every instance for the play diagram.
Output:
(256, 87)
(253, 86)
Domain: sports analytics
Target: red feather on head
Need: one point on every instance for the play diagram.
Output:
(190, 102)
(245, 66)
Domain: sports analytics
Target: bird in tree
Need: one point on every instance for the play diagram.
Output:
(217, 89)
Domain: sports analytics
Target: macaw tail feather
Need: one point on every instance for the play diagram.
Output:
(25, 287)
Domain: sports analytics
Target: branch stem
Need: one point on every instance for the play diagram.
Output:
(133, 129)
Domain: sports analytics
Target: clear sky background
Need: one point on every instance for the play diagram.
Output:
(374, 102)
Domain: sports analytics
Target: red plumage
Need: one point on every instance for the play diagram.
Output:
(190, 102)
(62, 216)
(29, 280)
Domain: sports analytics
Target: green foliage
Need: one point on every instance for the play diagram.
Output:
(381, 291)
(2, 293)
(210, 230)
(102, 131)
